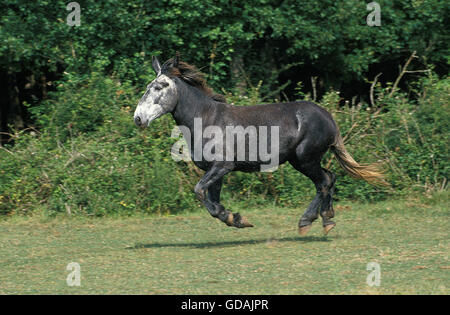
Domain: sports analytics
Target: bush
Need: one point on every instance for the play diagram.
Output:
(89, 158)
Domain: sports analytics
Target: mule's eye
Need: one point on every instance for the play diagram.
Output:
(158, 87)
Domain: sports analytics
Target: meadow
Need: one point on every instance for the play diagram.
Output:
(193, 253)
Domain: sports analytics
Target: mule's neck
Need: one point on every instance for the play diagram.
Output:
(192, 103)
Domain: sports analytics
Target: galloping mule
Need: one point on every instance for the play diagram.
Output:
(300, 133)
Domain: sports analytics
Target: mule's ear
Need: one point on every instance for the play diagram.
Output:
(156, 65)
(176, 60)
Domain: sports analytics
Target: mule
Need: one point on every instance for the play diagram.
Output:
(301, 133)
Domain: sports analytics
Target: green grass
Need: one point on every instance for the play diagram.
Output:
(196, 254)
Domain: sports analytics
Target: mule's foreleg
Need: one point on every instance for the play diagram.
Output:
(212, 202)
(208, 191)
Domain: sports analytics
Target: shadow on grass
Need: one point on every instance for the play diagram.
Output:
(299, 239)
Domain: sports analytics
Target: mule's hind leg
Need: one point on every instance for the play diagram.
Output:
(323, 183)
(326, 208)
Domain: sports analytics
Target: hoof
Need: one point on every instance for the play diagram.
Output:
(303, 230)
(238, 221)
(244, 223)
(229, 220)
(328, 228)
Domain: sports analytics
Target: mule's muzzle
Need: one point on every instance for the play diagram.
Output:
(138, 121)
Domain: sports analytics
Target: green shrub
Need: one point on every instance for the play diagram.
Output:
(89, 158)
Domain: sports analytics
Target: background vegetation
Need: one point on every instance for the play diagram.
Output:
(69, 144)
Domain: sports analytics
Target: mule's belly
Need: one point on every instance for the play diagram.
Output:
(247, 157)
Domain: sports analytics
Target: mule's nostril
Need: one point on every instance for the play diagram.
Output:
(137, 120)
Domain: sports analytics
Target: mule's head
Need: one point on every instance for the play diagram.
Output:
(160, 98)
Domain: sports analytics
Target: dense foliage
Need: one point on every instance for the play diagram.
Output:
(72, 165)
(237, 43)
(70, 92)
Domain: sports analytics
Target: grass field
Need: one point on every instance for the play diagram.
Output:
(195, 254)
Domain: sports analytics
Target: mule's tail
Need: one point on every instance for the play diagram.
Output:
(367, 172)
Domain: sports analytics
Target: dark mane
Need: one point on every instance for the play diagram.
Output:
(192, 76)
